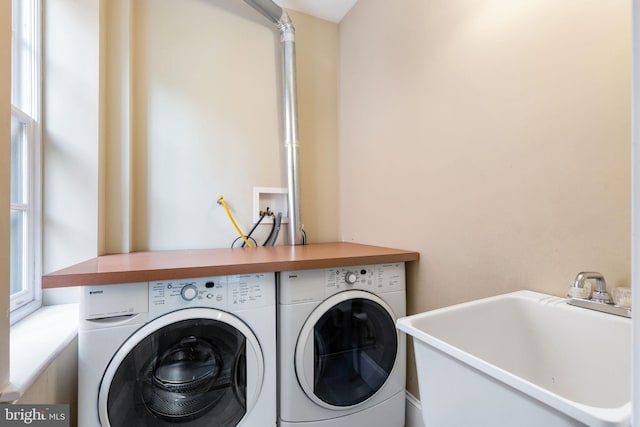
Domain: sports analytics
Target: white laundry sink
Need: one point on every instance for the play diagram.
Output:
(522, 359)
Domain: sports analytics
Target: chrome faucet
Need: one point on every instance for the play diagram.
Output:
(600, 300)
(600, 294)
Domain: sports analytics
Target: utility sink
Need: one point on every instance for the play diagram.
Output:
(522, 359)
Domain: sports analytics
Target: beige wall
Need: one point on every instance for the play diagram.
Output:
(493, 138)
(317, 61)
(5, 147)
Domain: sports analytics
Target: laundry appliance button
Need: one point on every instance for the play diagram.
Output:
(350, 278)
(189, 292)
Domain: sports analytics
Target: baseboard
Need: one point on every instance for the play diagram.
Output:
(413, 412)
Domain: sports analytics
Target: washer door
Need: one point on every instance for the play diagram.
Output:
(193, 367)
(346, 349)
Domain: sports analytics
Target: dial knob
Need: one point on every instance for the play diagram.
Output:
(189, 292)
(350, 277)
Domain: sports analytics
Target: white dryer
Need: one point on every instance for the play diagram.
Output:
(341, 358)
(189, 353)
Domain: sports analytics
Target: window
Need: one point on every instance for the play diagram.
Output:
(25, 158)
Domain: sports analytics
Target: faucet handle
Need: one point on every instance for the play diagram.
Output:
(582, 291)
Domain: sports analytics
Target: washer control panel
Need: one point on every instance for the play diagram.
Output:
(228, 293)
(373, 278)
(316, 285)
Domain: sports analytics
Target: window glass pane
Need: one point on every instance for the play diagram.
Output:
(18, 161)
(23, 55)
(25, 166)
(18, 250)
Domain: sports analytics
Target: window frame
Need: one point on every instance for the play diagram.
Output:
(29, 299)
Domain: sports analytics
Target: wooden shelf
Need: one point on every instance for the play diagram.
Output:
(164, 265)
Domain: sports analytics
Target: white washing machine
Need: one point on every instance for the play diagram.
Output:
(341, 358)
(189, 353)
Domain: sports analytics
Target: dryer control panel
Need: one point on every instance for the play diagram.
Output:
(316, 285)
(228, 293)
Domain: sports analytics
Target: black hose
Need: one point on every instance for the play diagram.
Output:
(262, 215)
(275, 230)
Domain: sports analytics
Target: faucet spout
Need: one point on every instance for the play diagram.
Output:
(600, 294)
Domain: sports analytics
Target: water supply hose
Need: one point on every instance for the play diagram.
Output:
(233, 221)
(273, 236)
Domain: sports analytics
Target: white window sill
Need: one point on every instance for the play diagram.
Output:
(36, 341)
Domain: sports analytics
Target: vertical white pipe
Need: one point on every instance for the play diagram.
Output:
(274, 13)
(287, 39)
(635, 210)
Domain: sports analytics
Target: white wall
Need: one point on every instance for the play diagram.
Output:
(492, 137)
(155, 108)
(207, 121)
(71, 135)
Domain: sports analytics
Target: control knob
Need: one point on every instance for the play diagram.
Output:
(189, 292)
(350, 277)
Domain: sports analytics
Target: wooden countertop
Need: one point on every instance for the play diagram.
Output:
(179, 264)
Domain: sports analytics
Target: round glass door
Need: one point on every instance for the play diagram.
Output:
(189, 367)
(347, 349)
